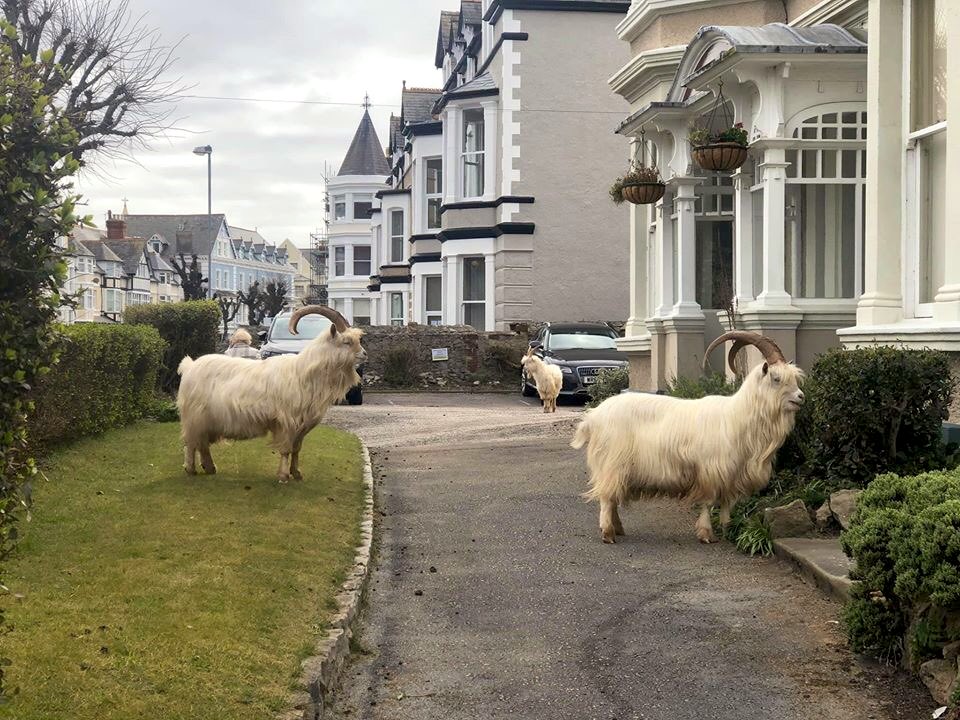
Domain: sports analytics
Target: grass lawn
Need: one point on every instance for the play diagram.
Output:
(150, 594)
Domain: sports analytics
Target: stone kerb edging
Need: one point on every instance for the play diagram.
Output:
(321, 670)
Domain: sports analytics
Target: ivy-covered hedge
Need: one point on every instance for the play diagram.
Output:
(905, 538)
(106, 376)
(189, 328)
(877, 410)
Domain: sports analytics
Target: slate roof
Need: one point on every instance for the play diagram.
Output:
(482, 84)
(129, 250)
(449, 22)
(366, 155)
(471, 12)
(417, 104)
(203, 231)
(101, 251)
(396, 135)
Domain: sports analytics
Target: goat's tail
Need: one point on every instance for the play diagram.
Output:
(582, 436)
(185, 365)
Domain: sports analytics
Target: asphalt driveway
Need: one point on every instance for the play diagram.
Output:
(493, 597)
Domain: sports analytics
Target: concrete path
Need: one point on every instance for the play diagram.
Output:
(493, 597)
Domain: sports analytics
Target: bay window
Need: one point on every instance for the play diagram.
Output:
(361, 260)
(434, 191)
(396, 308)
(473, 153)
(396, 236)
(362, 205)
(433, 299)
(112, 300)
(339, 207)
(474, 310)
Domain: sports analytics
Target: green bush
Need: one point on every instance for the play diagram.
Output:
(163, 410)
(399, 366)
(106, 377)
(189, 328)
(692, 389)
(609, 383)
(877, 410)
(905, 539)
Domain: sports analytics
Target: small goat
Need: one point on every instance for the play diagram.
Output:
(715, 450)
(548, 379)
(286, 395)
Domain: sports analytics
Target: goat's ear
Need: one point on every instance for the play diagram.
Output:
(765, 368)
(333, 331)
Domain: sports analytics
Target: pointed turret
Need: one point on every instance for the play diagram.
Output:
(365, 156)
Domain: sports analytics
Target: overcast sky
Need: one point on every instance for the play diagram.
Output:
(268, 158)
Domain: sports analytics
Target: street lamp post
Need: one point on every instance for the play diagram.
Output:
(208, 151)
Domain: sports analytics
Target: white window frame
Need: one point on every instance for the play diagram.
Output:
(396, 237)
(430, 315)
(369, 261)
(338, 262)
(360, 197)
(435, 197)
(340, 200)
(396, 316)
(462, 314)
(473, 158)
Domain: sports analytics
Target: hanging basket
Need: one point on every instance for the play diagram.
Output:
(642, 193)
(720, 156)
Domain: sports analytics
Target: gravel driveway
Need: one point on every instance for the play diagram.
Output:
(493, 597)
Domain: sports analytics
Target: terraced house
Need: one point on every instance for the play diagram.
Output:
(834, 231)
(499, 189)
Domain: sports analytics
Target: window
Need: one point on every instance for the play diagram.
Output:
(339, 207)
(136, 298)
(112, 300)
(474, 293)
(361, 260)
(217, 284)
(824, 214)
(928, 70)
(396, 236)
(434, 191)
(87, 298)
(432, 299)
(714, 270)
(156, 243)
(361, 311)
(396, 308)
(473, 153)
(339, 261)
(162, 277)
(362, 205)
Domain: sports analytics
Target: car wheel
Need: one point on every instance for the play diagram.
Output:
(355, 396)
(525, 389)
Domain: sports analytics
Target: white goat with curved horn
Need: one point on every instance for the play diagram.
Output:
(233, 398)
(548, 379)
(715, 450)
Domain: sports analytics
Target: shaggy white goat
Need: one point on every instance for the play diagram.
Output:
(547, 378)
(715, 450)
(286, 395)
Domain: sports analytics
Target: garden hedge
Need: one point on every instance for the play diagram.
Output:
(189, 328)
(905, 539)
(106, 376)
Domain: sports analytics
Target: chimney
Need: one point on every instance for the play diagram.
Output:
(116, 227)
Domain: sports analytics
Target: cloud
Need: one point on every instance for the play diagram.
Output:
(268, 158)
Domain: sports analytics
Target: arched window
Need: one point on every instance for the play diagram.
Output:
(825, 196)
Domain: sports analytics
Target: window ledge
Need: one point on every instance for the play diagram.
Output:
(915, 334)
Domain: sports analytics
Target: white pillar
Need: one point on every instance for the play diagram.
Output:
(489, 295)
(451, 163)
(451, 289)
(683, 205)
(490, 133)
(348, 309)
(774, 169)
(743, 236)
(664, 254)
(639, 242)
(947, 301)
(882, 300)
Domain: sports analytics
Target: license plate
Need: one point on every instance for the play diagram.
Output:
(589, 379)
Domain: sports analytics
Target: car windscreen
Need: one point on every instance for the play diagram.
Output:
(581, 341)
(308, 328)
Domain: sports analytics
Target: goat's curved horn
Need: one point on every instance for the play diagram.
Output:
(339, 322)
(741, 338)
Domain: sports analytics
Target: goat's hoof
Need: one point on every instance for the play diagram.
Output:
(283, 478)
(706, 537)
(296, 475)
(211, 470)
(189, 470)
(619, 530)
(608, 537)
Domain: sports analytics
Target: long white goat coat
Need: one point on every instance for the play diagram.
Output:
(715, 449)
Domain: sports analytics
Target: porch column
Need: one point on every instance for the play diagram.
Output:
(639, 239)
(451, 165)
(489, 292)
(882, 300)
(774, 169)
(490, 132)
(947, 301)
(686, 240)
(451, 310)
(743, 236)
(663, 250)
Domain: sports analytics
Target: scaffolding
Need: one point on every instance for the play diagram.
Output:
(320, 249)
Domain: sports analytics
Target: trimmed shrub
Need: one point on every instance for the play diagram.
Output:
(106, 376)
(399, 366)
(693, 389)
(877, 410)
(609, 383)
(905, 538)
(189, 328)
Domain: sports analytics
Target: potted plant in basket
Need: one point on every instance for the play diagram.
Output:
(722, 151)
(642, 185)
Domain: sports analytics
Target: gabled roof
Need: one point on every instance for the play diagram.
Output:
(129, 250)
(449, 20)
(156, 261)
(366, 155)
(198, 232)
(240, 233)
(101, 251)
(482, 85)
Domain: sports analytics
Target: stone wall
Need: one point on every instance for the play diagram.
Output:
(403, 357)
